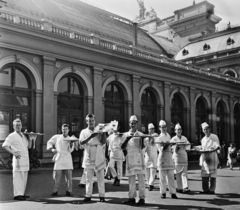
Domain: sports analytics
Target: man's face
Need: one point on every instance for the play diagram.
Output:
(133, 125)
(206, 130)
(151, 130)
(90, 122)
(163, 128)
(17, 126)
(178, 131)
(65, 130)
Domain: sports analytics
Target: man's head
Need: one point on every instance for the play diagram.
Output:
(17, 125)
(90, 120)
(133, 123)
(151, 128)
(65, 129)
(205, 128)
(178, 129)
(163, 126)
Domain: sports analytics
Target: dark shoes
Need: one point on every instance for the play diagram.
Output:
(163, 195)
(102, 199)
(179, 190)
(116, 181)
(19, 198)
(26, 196)
(130, 201)
(87, 199)
(68, 194)
(141, 201)
(186, 190)
(174, 196)
(54, 194)
(151, 187)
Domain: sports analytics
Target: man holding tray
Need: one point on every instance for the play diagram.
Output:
(165, 162)
(180, 159)
(61, 145)
(209, 160)
(17, 144)
(134, 161)
(93, 140)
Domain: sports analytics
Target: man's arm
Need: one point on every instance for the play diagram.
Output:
(14, 153)
(86, 140)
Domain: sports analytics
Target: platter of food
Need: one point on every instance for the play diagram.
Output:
(72, 138)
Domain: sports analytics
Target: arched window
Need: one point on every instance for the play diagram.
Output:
(202, 115)
(15, 98)
(237, 125)
(177, 112)
(230, 74)
(148, 108)
(70, 104)
(220, 118)
(114, 104)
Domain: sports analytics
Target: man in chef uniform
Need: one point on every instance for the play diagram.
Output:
(165, 162)
(93, 141)
(62, 147)
(134, 161)
(180, 159)
(17, 144)
(151, 157)
(209, 160)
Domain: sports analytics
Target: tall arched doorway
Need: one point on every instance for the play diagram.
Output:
(16, 98)
(70, 104)
(177, 113)
(114, 104)
(237, 125)
(202, 115)
(220, 118)
(149, 108)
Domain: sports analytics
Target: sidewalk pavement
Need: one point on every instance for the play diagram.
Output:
(40, 186)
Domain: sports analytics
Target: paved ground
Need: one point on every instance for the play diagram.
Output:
(40, 187)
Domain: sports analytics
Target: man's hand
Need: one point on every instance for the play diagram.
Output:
(54, 151)
(17, 154)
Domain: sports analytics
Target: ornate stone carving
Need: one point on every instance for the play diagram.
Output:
(160, 84)
(58, 64)
(127, 78)
(104, 73)
(116, 77)
(140, 81)
(151, 83)
(87, 70)
(36, 60)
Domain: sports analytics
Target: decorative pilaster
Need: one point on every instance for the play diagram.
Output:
(167, 109)
(192, 126)
(48, 100)
(214, 112)
(136, 102)
(97, 94)
(231, 119)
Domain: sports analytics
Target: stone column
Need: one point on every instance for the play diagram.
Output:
(167, 109)
(48, 101)
(89, 105)
(97, 94)
(192, 127)
(214, 112)
(136, 103)
(55, 111)
(231, 120)
(38, 120)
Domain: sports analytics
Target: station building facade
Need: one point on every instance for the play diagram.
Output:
(61, 61)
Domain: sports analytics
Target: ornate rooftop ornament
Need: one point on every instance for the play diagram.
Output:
(141, 10)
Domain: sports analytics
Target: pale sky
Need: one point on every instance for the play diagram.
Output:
(228, 10)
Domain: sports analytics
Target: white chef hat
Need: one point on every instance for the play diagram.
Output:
(133, 118)
(204, 125)
(177, 126)
(150, 125)
(162, 123)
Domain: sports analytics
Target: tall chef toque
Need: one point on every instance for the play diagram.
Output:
(178, 126)
(150, 125)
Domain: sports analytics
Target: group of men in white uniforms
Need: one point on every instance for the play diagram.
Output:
(141, 159)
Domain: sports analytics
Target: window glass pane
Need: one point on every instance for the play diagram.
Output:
(21, 80)
(4, 124)
(74, 87)
(5, 77)
(63, 85)
(116, 93)
(108, 92)
(14, 100)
